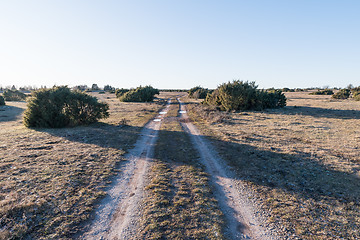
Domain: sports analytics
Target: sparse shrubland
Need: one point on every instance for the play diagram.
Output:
(51, 180)
(139, 94)
(14, 95)
(2, 101)
(342, 94)
(198, 92)
(240, 95)
(60, 107)
(323, 92)
(302, 161)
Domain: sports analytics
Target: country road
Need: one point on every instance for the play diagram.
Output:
(119, 213)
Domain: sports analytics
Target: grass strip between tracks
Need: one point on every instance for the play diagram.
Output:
(179, 202)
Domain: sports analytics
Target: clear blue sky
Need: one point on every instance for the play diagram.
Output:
(180, 44)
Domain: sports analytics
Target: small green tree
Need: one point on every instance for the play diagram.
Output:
(356, 93)
(120, 92)
(95, 87)
(14, 95)
(2, 101)
(60, 107)
(240, 95)
(342, 94)
(108, 88)
(139, 94)
(198, 92)
(322, 92)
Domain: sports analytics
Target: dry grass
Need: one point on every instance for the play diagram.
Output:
(179, 202)
(51, 179)
(303, 161)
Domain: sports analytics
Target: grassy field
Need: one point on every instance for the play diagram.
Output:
(302, 161)
(179, 202)
(51, 179)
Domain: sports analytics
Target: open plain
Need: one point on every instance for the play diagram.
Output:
(287, 173)
(302, 162)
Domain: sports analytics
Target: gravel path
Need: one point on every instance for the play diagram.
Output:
(118, 214)
(240, 213)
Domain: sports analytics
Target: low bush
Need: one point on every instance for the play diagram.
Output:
(120, 92)
(60, 107)
(139, 94)
(2, 101)
(356, 93)
(342, 94)
(14, 95)
(322, 92)
(240, 95)
(198, 92)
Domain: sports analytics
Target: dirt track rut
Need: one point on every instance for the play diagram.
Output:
(232, 197)
(118, 216)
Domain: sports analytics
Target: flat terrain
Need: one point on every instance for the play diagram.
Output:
(302, 161)
(294, 173)
(51, 179)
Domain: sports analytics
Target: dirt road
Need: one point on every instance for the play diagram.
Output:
(118, 216)
(238, 210)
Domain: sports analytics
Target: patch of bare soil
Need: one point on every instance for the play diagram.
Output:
(118, 214)
(243, 218)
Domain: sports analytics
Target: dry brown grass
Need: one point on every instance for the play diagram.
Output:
(51, 179)
(303, 161)
(179, 202)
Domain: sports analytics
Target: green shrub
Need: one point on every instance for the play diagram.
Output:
(356, 93)
(288, 90)
(322, 92)
(139, 94)
(240, 95)
(2, 101)
(14, 95)
(198, 92)
(60, 107)
(120, 92)
(342, 94)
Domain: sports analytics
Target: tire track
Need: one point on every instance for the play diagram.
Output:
(119, 212)
(238, 211)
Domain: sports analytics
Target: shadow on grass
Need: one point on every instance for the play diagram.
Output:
(10, 113)
(317, 112)
(298, 173)
(121, 137)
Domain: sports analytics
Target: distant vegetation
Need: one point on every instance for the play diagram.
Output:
(2, 101)
(198, 92)
(240, 95)
(173, 90)
(322, 92)
(139, 94)
(121, 91)
(356, 93)
(342, 94)
(60, 107)
(14, 95)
